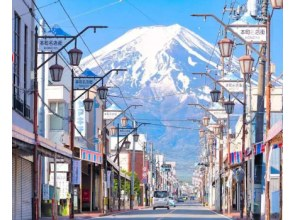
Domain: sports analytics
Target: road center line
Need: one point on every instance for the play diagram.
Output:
(166, 214)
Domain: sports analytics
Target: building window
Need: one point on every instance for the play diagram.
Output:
(25, 72)
(56, 123)
(18, 103)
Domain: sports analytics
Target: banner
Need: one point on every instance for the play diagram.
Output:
(76, 172)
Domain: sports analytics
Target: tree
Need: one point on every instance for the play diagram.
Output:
(127, 187)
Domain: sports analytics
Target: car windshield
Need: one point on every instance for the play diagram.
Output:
(160, 194)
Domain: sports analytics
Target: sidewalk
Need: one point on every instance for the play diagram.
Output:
(89, 215)
(233, 214)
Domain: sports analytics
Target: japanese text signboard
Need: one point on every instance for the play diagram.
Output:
(84, 83)
(251, 33)
(51, 44)
(232, 86)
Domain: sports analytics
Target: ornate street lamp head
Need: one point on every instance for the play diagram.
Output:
(75, 56)
(246, 64)
(277, 4)
(217, 129)
(88, 104)
(226, 47)
(56, 71)
(201, 133)
(102, 92)
(113, 130)
(124, 121)
(205, 121)
(229, 106)
(215, 94)
(127, 144)
(136, 137)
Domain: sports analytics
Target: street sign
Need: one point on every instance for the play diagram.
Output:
(232, 86)
(251, 33)
(219, 114)
(110, 115)
(125, 132)
(51, 44)
(84, 83)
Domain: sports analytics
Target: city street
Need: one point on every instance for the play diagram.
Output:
(186, 210)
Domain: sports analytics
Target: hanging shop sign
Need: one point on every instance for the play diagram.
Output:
(45, 189)
(80, 117)
(76, 172)
(91, 156)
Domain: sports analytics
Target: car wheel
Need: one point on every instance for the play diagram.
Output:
(167, 208)
(154, 208)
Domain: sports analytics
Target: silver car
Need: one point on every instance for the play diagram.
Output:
(160, 199)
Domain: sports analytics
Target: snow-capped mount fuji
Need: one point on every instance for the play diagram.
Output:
(159, 62)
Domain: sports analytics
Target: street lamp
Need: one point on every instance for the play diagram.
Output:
(229, 106)
(277, 4)
(124, 121)
(56, 71)
(226, 47)
(215, 94)
(88, 104)
(217, 129)
(127, 144)
(201, 133)
(205, 120)
(75, 56)
(246, 64)
(102, 92)
(210, 140)
(136, 137)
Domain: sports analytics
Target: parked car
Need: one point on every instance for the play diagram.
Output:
(181, 199)
(160, 199)
(172, 202)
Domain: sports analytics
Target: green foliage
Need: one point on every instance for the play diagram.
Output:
(127, 187)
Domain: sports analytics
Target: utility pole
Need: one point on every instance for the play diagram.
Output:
(133, 172)
(260, 105)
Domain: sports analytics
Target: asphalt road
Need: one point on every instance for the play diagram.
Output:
(183, 210)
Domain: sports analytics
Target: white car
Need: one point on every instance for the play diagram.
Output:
(160, 199)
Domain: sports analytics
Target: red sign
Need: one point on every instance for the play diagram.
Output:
(86, 195)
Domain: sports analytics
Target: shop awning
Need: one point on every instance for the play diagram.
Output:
(273, 131)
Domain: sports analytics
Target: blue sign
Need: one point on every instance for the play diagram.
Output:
(76, 172)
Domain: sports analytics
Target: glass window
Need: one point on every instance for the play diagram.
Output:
(56, 123)
(160, 194)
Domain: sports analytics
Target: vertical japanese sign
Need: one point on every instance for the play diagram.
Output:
(80, 117)
(76, 172)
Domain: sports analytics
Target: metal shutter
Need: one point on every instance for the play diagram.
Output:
(17, 187)
(22, 188)
(27, 189)
(13, 186)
